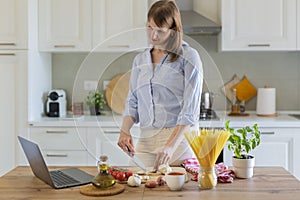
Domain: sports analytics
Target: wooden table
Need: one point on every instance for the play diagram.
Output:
(268, 183)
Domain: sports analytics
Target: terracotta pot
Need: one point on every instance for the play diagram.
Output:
(243, 167)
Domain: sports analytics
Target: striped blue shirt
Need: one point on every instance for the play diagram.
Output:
(168, 94)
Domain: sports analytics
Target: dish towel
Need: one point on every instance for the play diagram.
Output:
(224, 174)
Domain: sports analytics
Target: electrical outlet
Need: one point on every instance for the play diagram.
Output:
(105, 84)
(90, 85)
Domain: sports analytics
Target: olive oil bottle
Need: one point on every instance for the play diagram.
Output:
(103, 179)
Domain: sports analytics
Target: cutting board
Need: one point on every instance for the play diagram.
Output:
(91, 190)
(239, 114)
(117, 91)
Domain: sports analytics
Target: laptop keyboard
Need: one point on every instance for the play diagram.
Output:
(61, 179)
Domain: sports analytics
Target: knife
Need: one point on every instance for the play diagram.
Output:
(136, 160)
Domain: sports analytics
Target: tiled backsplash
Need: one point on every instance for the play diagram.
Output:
(274, 69)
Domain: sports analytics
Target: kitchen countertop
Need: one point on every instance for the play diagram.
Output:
(268, 183)
(283, 120)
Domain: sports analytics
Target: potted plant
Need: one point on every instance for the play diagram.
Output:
(241, 142)
(95, 100)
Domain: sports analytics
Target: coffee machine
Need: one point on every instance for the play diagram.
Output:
(56, 103)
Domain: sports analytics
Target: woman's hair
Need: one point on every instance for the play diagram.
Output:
(165, 13)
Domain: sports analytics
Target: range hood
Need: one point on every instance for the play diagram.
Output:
(194, 23)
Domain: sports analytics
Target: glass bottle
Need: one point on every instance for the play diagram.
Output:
(242, 106)
(207, 177)
(103, 179)
(235, 108)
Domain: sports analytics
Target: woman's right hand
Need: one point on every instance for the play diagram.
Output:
(126, 143)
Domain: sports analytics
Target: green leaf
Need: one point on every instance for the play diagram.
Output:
(227, 125)
(248, 129)
(236, 138)
(241, 131)
(243, 140)
(237, 153)
(253, 144)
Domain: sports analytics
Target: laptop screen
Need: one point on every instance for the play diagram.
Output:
(36, 160)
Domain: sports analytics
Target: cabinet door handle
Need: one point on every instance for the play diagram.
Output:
(56, 131)
(259, 45)
(57, 155)
(119, 46)
(7, 54)
(112, 132)
(64, 46)
(7, 44)
(267, 133)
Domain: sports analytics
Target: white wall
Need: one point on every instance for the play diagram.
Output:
(39, 66)
(276, 69)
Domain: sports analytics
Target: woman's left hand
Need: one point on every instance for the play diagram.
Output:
(163, 156)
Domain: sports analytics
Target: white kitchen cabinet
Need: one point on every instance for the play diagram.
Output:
(103, 141)
(64, 25)
(13, 24)
(298, 24)
(254, 25)
(110, 148)
(119, 25)
(81, 145)
(12, 65)
(82, 25)
(7, 115)
(61, 145)
(94, 138)
(278, 147)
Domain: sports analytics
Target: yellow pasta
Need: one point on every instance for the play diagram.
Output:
(207, 145)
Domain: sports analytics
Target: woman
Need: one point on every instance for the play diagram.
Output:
(164, 95)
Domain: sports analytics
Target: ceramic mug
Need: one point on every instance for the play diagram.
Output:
(175, 180)
(181, 169)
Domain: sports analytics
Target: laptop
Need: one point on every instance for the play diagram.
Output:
(57, 179)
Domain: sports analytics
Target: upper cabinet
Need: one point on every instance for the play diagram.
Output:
(119, 25)
(64, 25)
(13, 24)
(82, 25)
(298, 24)
(258, 25)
